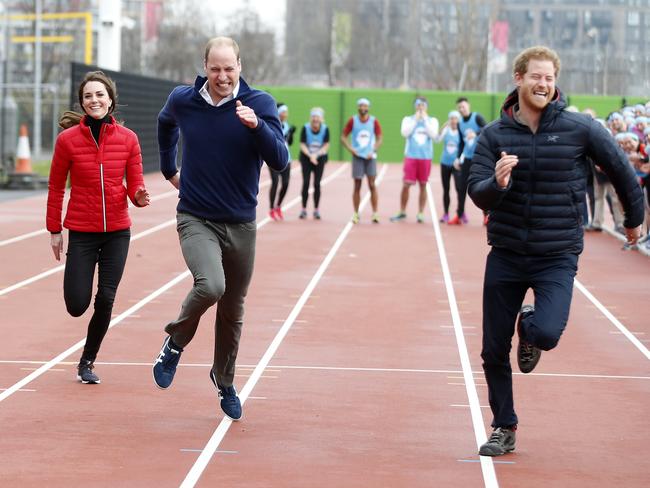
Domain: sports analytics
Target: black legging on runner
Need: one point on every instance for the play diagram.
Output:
(275, 178)
(107, 250)
(462, 194)
(446, 173)
(307, 169)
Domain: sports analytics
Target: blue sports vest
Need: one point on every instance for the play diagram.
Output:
(363, 136)
(315, 141)
(419, 145)
(450, 142)
(470, 144)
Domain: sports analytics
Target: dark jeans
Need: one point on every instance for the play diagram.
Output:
(507, 278)
(307, 169)
(446, 172)
(275, 179)
(107, 250)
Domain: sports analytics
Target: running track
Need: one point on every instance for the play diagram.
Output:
(359, 364)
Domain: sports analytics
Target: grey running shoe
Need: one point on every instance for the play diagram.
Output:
(398, 217)
(85, 373)
(527, 355)
(500, 442)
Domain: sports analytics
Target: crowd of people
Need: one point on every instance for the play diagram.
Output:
(533, 201)
(630, 127)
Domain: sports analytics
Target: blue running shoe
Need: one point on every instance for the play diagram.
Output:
(230, 403)
(164, 368)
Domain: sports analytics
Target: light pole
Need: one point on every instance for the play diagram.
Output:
(592, 33)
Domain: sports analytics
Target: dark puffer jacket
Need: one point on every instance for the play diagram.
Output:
(540, 211)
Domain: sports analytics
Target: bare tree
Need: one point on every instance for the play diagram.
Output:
(182, 34)
(257, 46)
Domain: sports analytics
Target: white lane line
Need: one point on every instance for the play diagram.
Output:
(149, 298)
(35, 233)
(274, 368)
(487, 466)
(155, 198)
(213, 444)
(53, 362)
(156, 228)
(56, 269)
(637, 343)
(6, 242)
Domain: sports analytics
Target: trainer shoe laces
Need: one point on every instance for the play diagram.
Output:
(168, 360)
(527, 351)
(497, 435)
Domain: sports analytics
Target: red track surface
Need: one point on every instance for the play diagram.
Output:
(366, 388)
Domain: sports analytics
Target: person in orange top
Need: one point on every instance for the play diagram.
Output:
(98, 153)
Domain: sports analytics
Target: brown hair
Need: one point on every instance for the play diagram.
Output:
(219, 42)
(71, 118)
(520, 64)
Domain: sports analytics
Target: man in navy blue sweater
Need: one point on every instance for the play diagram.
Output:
(228, 129)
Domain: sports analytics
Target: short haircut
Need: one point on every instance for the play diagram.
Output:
(520, 64)
(219, 42)
(462, 99)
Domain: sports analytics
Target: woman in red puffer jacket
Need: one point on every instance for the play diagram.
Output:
(97, 153)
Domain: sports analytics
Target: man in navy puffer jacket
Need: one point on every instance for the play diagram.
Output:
(228, 130)
(529, 174)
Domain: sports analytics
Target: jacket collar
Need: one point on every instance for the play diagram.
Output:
(557, 104)
(200, 81)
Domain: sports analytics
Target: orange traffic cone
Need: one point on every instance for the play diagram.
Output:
(23, 154)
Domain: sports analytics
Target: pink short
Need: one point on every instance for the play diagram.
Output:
(416, 170)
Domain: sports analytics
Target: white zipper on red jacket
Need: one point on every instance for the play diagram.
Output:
(101, 176)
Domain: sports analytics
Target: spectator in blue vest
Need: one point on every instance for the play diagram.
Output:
(419, 130)
(366, 139)
(314, 146)
(275, 207)
(470, 126)
(449, 162)
(228, 130)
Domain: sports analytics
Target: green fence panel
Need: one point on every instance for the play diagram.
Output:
(602, 105)
(390, 106)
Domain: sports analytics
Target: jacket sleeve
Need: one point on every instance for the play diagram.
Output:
(606, 153)
(481, 184)
(134, 178)
(268, 135)
(59, 170)
(168, 135)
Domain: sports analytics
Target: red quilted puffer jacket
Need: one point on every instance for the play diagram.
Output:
(98, 195)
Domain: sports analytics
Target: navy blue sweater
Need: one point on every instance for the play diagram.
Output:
(221, 157)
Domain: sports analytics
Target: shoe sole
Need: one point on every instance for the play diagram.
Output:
(214, 382)
(89, 382)
(493, 453)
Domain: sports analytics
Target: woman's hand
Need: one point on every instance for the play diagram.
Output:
(56, 241)
(142, 197)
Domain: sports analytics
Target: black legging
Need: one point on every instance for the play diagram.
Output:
(275, 178)
(446, 173)
(85, 249)
(307, 169)
(464, 171)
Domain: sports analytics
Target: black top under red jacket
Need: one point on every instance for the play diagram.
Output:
(540, 211)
